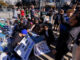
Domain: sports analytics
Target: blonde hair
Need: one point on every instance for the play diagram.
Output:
(70, 11)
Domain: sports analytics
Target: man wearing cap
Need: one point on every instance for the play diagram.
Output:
(18, 37)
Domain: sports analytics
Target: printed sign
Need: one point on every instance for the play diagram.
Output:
(24, 48)
(41, 48)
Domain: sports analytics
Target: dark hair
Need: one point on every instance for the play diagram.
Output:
(77, 17)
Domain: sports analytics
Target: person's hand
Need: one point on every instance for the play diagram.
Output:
(54, 52)
(18, 44)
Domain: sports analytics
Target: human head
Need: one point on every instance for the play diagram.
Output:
(46, 27)
(75, 20)
(36, 21)
(21, 20)
(70, 12)
(74, 6)
(32, 6)
(61, 11)
(43, 9)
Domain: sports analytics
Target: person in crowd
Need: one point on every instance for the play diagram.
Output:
(48, 23)
(22, 13)
(18, 37)
(16, 41)
(66, 7)
(43, 13)
(18, 12)
(69, 14)
(66, 19)
(36, 21)
(74, 7)
(72, 34)
(32, 20)
(49, 36)
(57, 19)
(15, 14)
(61, 46)
(41, 21)
(32, 11)
(75, 35)
(55, 11)
(16, 27)
(50, 13)
(27, 12)
(20, 25)
(25, 20)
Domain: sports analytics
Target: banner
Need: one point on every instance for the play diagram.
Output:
(41, 48)
(24, 48)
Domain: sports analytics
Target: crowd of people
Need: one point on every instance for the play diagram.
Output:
(65, 21)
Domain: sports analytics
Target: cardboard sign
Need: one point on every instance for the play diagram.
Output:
(41, 48)
(25, 47)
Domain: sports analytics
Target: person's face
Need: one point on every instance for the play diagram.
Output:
(73, 7)
(32, 19)
(36, 21)
(32, 7)
(69, 14)
(22, 21)
(61, 12)
(73, 21)
(43, 9)
(20, 34)
(45, 27)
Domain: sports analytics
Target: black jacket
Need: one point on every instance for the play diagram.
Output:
(16, 39)
(50, 36)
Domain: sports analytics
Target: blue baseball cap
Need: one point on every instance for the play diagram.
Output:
(24, 31)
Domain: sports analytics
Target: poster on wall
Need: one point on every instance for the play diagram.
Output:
(24, 48)
(41, 48)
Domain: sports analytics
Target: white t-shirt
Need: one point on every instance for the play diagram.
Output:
(18, 12)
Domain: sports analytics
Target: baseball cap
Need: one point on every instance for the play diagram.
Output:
(24, 31)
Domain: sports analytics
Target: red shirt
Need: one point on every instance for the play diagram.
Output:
(22, 12)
